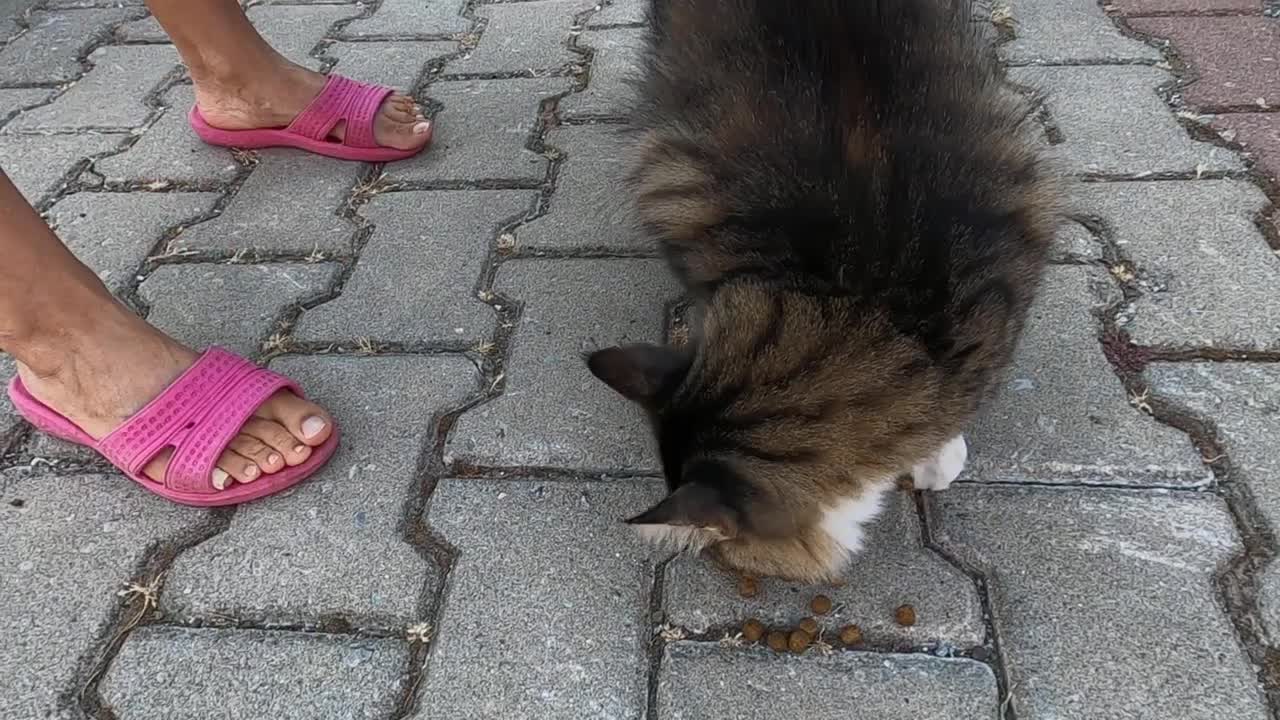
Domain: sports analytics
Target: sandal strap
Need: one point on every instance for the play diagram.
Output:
(342, 99)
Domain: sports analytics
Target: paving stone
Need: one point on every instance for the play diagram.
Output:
(482, 131)
(557, 630)
(416, 278)
(1206, 274)
(1114, 121)
(1242, 401)
(590, 208)
(114, 233)
(553, 412)
(1187, 7)
(893, 569)
(305, 555)
(523, 36)
(620, 12)
(394, 64)
(193, 674)
(80, 4)
(1056, 31)
(289, 204)
(412, 18)
(10, 423)
(617, 57)
(71, 543)
(233, 306)
(1074, 243)
(169, 151)
(111, 96)
(1104, 600)
(1236, 60)
(15, 100)
(1259, 135)
(704, 682)
(39, 164)
(1063, 416)
(51, 49)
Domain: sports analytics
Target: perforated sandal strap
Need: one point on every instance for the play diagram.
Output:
(342, 100)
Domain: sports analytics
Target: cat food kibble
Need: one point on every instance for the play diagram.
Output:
(752, 630)
(821, 604)
(778, 641)
(748, 587)
(905, 615)
(850, 635)
(798, 641)
(810, 626)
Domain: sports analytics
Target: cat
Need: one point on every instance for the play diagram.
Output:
(854, 200)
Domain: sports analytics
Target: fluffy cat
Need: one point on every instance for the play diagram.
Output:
(854, 200)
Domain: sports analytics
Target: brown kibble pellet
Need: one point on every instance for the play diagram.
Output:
(905, 615)
(850, 634)
(752, 630)
(798, 641)
(778, 641)
(821, 604)
(748, 587)
(810, 626)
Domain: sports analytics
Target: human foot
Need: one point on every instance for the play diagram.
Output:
(85, 383)
(274, 98)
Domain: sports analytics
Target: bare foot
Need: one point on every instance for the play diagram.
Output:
(105, 376)
(275, 97)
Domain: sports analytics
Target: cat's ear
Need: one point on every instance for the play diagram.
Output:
(694, 515)
(639, 372)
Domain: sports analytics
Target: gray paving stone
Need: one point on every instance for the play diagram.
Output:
(168, 151)
(39, 164)
(553, 412)
(1053, 31)
(394, 64)
(620, 12)
(1242, 401)
(51, 49)
(555, 631)
(1115, 123)
(111, 96)
(416, 279)
(289, 204)
(1075, 243)
(412, 18)
(705, 682)
(1104, 600)
(113, 233)
(306, 554)
(523, 37)
(15, 100)
(80, 4)
(9, 420)
(893, 569)
(1206, 274)
(607, 95)
(195, 674)
(590, 207)
(234, 306)
(71, 543)
(482, 131)
(1063, 416)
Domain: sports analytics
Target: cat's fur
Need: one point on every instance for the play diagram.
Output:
(851, 195)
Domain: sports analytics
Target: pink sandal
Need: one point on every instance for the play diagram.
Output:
(197, 416)
(341, 99)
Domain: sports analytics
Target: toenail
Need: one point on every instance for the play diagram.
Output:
(312, 427)
(421, 128)
(220, 478)
(273, 459)
(251, 472)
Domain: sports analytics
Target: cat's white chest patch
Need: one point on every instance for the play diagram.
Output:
(938, 472)
(844, 522)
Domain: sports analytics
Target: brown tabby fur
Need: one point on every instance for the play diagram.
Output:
(850, 193)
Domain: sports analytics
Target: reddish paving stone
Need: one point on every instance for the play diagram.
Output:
(1258, 134)
(1236, 59)
(1135, 8)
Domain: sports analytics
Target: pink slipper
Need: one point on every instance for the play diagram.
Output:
(197, 416)
(341, 99)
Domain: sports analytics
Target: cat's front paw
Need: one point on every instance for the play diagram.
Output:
(942, 469)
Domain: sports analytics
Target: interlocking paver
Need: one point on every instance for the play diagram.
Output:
(1075, 243)
(894, 568)
(586, 210)
(168, 150)
(483, 130)
(39, 165)
(1062, 415)
(1114, 121)
(706, 682)
(50, 51)
(113, 233)
(523, 37)
(1236, 59)
(1104, 600)
(170, 673)
(552, 412)
(289, 204)
(1259, 135)
(1205, 272)
(607, 95)
(394, 64)
(1057, 31)
(431, 243)
(412, 18)
(96, 99)
(1162, 7)
(305, 555)
(9, 420)
(518, 636)
(620, 12)
(14, 100)
(71, 543)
